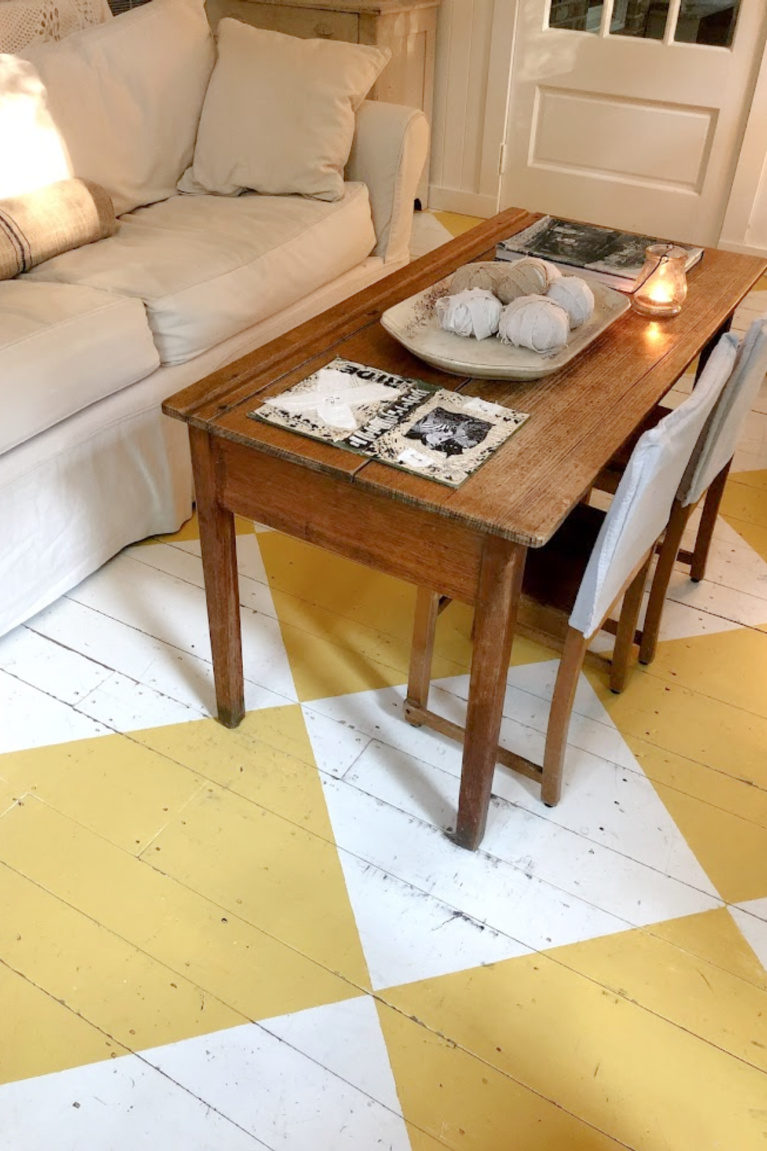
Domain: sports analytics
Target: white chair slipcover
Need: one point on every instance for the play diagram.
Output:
(723, 428)
(642, 503)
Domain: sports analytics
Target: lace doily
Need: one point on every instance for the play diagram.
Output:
(22, 21)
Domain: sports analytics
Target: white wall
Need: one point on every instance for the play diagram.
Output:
(474, 40)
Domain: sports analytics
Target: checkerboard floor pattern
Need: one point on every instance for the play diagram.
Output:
(263, 938)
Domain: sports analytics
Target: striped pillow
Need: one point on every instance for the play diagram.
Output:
(38, 225)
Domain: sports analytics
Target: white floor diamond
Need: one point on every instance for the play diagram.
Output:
(267, 1084)
(119, 1105)
(607, 858)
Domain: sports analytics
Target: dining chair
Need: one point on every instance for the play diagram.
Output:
(705, 477)
(712, 492)
(592, 562)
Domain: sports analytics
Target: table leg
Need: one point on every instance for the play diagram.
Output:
(500, 585)
(218, 544)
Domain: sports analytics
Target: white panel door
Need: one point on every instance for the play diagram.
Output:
(630, 113)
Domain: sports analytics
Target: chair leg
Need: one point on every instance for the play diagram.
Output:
(666, 560)
(624, 636)
(559, 717)
(707, 523)
(422, 650)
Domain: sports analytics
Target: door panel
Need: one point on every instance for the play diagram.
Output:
(594, 133)
(612, 124)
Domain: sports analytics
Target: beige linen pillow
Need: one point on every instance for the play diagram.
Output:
(126, 97)
(278, 115)
(38, 225)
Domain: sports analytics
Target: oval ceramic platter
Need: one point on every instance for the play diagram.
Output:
(414, 324)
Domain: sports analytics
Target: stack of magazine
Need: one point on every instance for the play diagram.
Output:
(615, 258)
(407, 423)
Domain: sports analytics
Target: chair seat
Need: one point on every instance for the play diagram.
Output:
(554, 572)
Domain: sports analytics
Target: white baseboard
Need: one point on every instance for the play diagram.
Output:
(466, 203)
(744, 249)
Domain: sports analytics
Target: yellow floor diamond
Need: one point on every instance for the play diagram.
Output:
(109, 784)
(347, 628)
(237, 911)
(682, 721)
(697, 721)
(267, 759)
(744, 507)
(607, 1022)
(449, 1094)
(42, 1035)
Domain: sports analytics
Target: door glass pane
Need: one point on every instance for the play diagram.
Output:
(645, 19)
(577, 15)
(707, 22)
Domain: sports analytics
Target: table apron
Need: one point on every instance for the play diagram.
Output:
(393, 537)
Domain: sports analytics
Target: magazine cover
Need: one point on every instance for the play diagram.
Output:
(448, 436)
(403, 422)
(615, 257)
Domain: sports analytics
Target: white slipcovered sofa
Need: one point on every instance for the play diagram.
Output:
(94, 339)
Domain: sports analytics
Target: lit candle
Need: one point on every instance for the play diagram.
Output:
(660, 291)
(662, 284)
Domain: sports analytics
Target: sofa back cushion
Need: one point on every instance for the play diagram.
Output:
(126, 97)
(278, 116)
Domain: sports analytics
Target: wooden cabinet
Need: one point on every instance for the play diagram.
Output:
(407, 27)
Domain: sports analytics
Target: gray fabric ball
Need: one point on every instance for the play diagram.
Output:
(535, 322)
(575, 296)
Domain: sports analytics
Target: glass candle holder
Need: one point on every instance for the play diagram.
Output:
(662, 284)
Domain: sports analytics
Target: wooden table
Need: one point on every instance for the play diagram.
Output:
(467, 543)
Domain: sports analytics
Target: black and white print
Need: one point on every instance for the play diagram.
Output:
(615, 256)
(334, 401)
(449, 436)
(400, 421)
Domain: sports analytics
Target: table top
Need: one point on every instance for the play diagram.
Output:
(579, 416)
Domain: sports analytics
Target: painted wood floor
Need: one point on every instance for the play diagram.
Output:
(263, 938)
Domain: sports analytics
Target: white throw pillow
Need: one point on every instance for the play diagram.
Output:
(278, 115)
(126, 97)
(32, 150)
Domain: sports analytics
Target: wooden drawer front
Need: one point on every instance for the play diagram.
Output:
(310, 23)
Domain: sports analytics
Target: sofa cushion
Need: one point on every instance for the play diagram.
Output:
(126, 97)
(61, 349)
(208, 267)
(278, 116)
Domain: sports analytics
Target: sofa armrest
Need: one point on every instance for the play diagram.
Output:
(388, 154)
